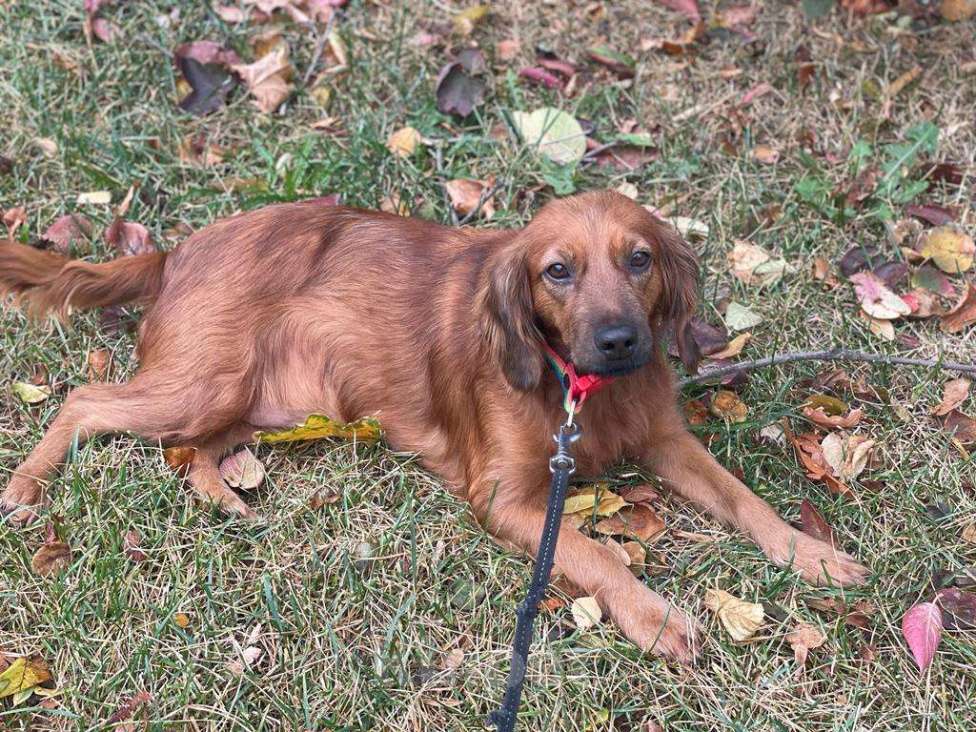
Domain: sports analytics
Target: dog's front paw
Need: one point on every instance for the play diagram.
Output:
(820, 563)
(22, 500)
(657, 627)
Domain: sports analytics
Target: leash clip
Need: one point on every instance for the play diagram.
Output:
(562, 460)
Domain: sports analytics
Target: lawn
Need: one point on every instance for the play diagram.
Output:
(386, 607)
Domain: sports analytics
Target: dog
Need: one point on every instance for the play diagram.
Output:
(261, 319)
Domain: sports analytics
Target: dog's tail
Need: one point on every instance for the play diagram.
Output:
(48, 282)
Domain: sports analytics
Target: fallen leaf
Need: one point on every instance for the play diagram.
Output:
(618, 550)
(95, 198)
(317, 427)
(727, 405)
(619, 63)
(876, 299)
(954, 393)
(810, 454)
(963, 313)
(30, 393)
(831, 422)
(182, 620)
(857, 616)
(753, 265)
(969, 533)
(688, 8)
(552, 133)
(639, 522)
(597, 499)
(466, 194)
(23, 676)
(323, 498)
(507, 49)
(739, 317)
(710, 339)
(68, 230)
(129, 238)
(635, 552)
(932, 213)
(457, 90)
(922, 630)
(803, 638)
(206, 86)
(195, 149)
(951, 249)
(923, 303)
(586, 612)
(104, 30)
(846, 454)
(696, 413)
(14, 218)
(740, 619)
(858, 258)
(539, 75)
(453, 660)
(765, 154)
(53, 557)
(403, 142)
(268, 78)
(627, 189)
(132, 544)
(46, 145)
(812, 523)
(249, 657)
(99, 361)
(179, 458)
(230, 13)
(830, 405)
(639, 494)
(129, 707)
(467, 19)
(242, 470)
(961, 426)
(933, 280)
(958, 608)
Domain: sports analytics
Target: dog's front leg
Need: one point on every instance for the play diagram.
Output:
(690, 470)
(642, 615)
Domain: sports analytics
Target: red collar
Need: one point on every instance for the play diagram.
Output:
(576, 388)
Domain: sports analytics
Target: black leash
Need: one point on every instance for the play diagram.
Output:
(562, 466)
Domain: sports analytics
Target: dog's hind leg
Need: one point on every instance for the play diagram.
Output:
(204, 473)
(151, 406)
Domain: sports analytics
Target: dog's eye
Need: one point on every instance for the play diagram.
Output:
(640, 260)
(557, 271)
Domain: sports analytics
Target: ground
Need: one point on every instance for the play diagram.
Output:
(361, 602)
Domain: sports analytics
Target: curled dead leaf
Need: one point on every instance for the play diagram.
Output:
(242, 470)
(740, 619)
(954, 393)
(179, 459)
(846, 454)
(639, 522)
(727, 405)
(803, 638)
(403, 142)
(963, 313)
(466, 194)
(831, 422)
(586, 612)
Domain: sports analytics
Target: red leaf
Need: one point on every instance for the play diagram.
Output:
(932, 213)
(688, 8)
(539, 75)
(922, 628)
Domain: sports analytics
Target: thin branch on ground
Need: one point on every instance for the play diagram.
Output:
(834, 354)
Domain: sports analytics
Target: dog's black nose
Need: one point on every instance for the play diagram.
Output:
(617, 342)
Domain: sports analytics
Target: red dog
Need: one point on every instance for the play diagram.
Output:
(266, 317)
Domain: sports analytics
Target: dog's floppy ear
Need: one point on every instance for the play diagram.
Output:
(508, 319)
(679, 291)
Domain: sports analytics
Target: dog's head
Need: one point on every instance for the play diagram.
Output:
(594, 276)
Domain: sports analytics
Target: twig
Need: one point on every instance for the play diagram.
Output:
(834, 354)
(486, 194)
(319, 48)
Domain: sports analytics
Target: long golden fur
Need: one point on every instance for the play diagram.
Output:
(260, 319)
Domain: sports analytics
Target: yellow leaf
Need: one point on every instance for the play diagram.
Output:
(734, 347)
(403, 142)
(30, 394)
(594, 499)
(951, 249)
(22, 676)
(581, 500)
(467, 19)
(318, 426)
(740, 618)
(182, 620)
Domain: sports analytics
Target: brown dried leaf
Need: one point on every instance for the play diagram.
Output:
(727, 405)
(403, 142)
(954, 393)
(242, 470)
(639, 522)
(831, 422)
(812, 523)
(268, 78)
(133, 549)
(466, 194)
(67, 230)
(804, 638)
(129, 238)
(99, 362)
(963, 313)
(53, 557)
(962, 426)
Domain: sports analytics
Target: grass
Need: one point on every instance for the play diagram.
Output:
(361, 602)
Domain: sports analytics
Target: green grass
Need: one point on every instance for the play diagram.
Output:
(353, 642)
